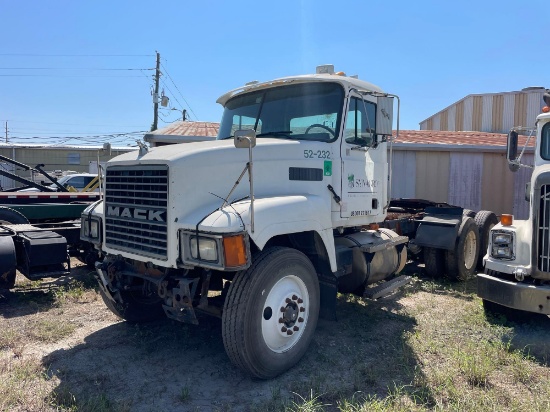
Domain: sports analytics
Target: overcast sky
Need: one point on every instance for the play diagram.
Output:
(57, 57)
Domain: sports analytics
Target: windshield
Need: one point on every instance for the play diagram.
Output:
(310, 111)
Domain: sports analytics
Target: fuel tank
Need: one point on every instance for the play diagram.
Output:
(369, 266)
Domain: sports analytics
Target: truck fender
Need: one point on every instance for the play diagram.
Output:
(439, 228)
(275, 216)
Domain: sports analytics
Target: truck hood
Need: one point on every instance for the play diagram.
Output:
(202, 174)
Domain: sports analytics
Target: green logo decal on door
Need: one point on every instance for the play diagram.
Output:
(328, 168)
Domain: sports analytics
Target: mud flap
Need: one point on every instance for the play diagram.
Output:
(439, 228)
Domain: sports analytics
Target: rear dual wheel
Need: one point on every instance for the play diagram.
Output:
(271, 312)
(461, 262)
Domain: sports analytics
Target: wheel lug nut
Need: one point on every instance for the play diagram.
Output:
(302, 309)
(300, 320)
(281, 320)
(283, 329)
(283, 308)
(300, 301)
(295, 328)
(289, 332)
(287, 300)
(294, 297)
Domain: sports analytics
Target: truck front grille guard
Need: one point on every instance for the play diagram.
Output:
(136, 208)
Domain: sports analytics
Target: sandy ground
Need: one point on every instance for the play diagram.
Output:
(172, 366)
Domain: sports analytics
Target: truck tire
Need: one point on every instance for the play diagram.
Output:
(434, 262)
(8, 263)
(469, 213)
(135, 308)
(485, 220)
(12, 216)
(271, 312)
(460, 263)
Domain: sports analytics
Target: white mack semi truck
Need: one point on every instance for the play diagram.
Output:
(517, 265)
(265, 225)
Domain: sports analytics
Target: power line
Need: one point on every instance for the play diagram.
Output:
(181, 94)
(76, 55)
(59, 75)
(70, 68)
(63, 124)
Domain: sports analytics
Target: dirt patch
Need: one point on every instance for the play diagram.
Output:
(63, 350)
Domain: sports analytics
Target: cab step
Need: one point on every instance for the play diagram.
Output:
(386, 288)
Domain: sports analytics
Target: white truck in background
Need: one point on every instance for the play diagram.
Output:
(517, 265)
(265, 225)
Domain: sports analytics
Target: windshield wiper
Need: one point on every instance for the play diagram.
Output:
(285, 133)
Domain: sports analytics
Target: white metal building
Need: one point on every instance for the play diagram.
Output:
(81, 159)
(490, 112)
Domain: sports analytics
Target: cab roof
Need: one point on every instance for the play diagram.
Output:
(347, 82)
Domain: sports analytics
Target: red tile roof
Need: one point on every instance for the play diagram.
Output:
(456, 138)
(431, 137)
(187, 128)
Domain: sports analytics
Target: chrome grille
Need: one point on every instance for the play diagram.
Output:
(543, 235)
(136, 204)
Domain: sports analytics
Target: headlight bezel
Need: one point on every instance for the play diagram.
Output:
(89, 225)
(503, 245)
(188, 257)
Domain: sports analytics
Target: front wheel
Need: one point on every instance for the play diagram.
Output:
(271, 312)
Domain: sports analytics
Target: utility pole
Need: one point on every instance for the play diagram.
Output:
(6, 131)
(156, 95)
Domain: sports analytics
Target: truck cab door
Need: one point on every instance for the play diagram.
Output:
(364, 162)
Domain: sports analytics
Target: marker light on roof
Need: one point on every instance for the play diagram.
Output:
(546, 109)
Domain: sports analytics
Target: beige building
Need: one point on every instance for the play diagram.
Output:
(82, 159)
(490, 112)
(467, 169)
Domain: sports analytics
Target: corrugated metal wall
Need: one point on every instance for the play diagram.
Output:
(5, 182)
(473, 180)
(404, 175)
(76, 159)
(493, 113)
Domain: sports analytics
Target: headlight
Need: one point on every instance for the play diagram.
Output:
(502, 252)
(216, 251)
(502, 238)
(207, 249)
(502, 245)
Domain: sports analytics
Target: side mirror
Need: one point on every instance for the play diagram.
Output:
(384, 116)
(245, 139)
(512, 150)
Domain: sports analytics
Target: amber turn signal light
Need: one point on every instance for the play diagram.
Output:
(234, 251)
(507, 220)
(546, 109)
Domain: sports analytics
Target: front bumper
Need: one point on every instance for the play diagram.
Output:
(516, 295)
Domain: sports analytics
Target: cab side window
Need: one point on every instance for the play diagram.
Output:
(361, 122)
